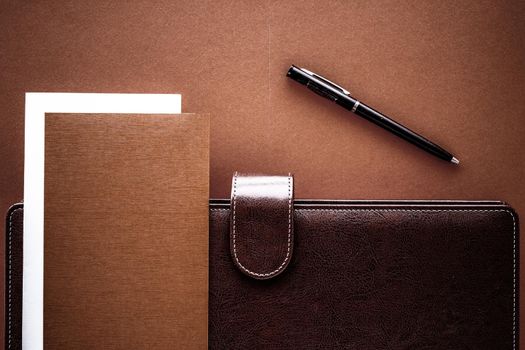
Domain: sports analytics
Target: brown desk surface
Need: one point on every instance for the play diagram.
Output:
(451, 70)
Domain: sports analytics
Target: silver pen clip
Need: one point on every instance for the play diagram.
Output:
(343, 90)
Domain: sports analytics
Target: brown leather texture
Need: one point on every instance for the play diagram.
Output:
(374, 277)
(261, 230)
(364, 275)
(451, 70)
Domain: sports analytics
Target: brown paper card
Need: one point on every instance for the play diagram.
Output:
(126, 231)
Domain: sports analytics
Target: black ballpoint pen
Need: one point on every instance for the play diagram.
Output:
(342, 97)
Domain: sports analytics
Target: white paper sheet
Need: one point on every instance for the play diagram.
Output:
(37, 104)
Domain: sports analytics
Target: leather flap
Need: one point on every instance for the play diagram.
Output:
(261, 230)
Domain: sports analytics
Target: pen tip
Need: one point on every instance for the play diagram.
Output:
(455, 160)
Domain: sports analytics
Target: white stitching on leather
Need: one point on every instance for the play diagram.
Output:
(9, 279)
(513, 279)
(288, 255)
(301, 209)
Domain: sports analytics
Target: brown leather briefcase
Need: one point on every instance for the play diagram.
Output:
(317, 274)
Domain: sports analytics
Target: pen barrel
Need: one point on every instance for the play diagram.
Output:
(342, 97)
(401, 131)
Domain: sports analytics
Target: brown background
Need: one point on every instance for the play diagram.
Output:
(452, 70)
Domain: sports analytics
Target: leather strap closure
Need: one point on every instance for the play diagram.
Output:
(261, 229)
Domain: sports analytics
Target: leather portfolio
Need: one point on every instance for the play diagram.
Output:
(322, 274)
